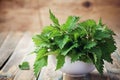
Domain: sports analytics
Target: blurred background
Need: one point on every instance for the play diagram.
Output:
(32, 15)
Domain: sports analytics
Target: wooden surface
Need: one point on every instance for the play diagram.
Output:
(20, 19)
(16, 49)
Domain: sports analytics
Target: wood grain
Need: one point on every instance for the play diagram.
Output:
(2, 37)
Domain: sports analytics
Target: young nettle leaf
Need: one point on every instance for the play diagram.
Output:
(88, 23)
(41, 60)
(89, 27)
(66, 50)
(37, 40)
(41, 53)
(39, 63)
(100, 22)
(56, 52)
(74, 56)
(108, 47)
(76, 36)
(84, 57)
(24, 66)
(90, 44)
(62, 40)
(99, 35)
(51, 31)
(60, 61)
(77, 33)
(54, 19)
(98, 58)
(70, 23)
(40, 41)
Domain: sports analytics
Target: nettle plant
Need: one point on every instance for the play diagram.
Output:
(85, 41)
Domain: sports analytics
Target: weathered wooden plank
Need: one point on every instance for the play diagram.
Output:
(2, 37)
(8, 46)
(23, 48)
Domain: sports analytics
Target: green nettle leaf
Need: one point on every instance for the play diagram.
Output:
(54, 19)
(41, 53)
(62, 40)
(101, 34)
(76, 36)
(41, 60)
(24, 66)
(74, 56)
(88, 28)
(90, 44)
(70, 23)
(51, 32)
(88, 23)
(65, 50)
(108, 47)
(84, 57)
(100, 22)
(78, 33)
(60, 61)
(108, 58)
(56, 52)
(40, 41)
(99, 66)
(98, 59)
(39, 63)
(37, 40)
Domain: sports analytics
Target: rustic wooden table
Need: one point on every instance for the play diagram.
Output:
(20, 19)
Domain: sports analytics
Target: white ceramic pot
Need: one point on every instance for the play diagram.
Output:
(76, 68)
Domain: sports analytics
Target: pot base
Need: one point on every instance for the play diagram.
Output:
(76, 75)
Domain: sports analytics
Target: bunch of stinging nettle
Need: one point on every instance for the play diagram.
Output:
(85, 41)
